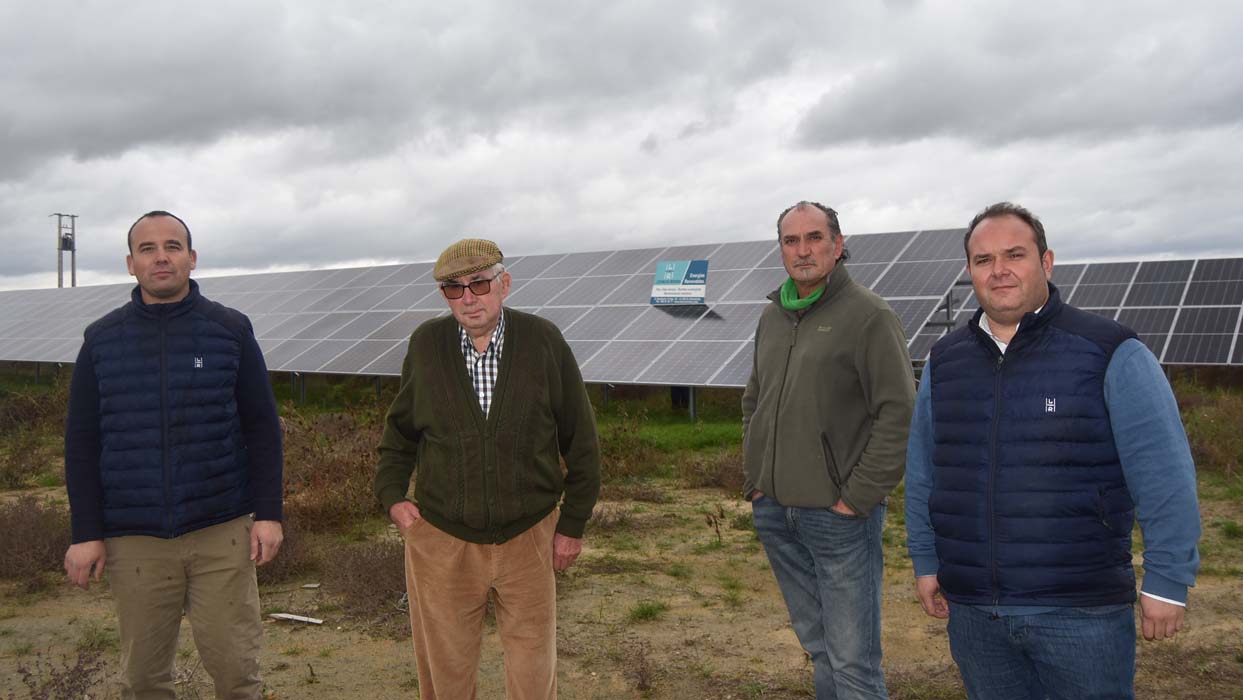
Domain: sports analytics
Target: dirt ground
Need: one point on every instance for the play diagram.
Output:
(657, 607)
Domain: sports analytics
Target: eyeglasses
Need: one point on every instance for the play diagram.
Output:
(453, 290)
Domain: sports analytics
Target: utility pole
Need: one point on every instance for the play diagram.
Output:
(66, 240)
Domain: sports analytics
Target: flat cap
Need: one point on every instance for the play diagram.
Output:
(466, 256)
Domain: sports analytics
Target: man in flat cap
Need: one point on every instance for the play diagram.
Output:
(491, 400)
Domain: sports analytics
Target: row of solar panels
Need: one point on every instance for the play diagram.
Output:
(355, 321)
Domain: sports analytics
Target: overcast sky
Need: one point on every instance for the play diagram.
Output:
(323, 134)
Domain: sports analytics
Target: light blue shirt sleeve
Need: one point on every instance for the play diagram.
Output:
(920, 541)
(1157, 465)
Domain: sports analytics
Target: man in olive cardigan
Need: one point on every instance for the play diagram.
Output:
(491, 400)
(825, 420)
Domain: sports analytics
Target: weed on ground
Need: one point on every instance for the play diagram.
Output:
(36, 535)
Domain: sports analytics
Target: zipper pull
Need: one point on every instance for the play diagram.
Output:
(794, 334)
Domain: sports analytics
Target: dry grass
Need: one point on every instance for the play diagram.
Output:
(369, 580)
(36, 535)
(329, 468)
(721, 470)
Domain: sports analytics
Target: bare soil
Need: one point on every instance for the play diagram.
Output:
(723, 632)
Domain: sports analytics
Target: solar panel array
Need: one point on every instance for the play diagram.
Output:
(356, 320)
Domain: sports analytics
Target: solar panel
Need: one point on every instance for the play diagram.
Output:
(587, 290)
(563, 316)
(535, 292)
(629, 262)
(866, 274)
(744, 256)
(1219, 270)
(911, 279)
(402, 325)
(292, 325)
(1109, 273)
(727, 322)
(1164, 271)
(737, 371)
(945, 244)
(662, 323)
(913, 313)
(389, 363)
(325, 326)
(531, 266)
(1211, 293)
(690, 362)
(573, 265)
(1098, 295)
(280, 355)
(357, 320)
(603, 323)
(879, 247)
(756, 286)
(622, 361)
(363, 325)
(636, 289)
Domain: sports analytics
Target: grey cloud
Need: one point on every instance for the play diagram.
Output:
(1037, 76)
(118, 77)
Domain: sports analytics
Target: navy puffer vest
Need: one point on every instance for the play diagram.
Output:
(1029, 503)
(172, 457)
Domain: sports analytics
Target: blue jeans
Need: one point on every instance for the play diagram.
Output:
(1069, 653)
(829, 569)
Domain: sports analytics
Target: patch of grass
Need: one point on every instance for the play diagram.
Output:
(623, 453)
(97, 637)
(1212, 417)
(721, 469)
(36, 536)
(297, 558)
(329, 467)
(678, 571)
(611, 518)
(708, 547)
(610, 564)
(22, 648)
(647, 611)
(293, 651)
(1230, 529)
(742, 521)
(624, 542)
(935, 684)
(369, 578)
(47, 677)
(639, 490)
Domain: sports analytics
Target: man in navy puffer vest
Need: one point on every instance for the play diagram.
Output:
(1040, 433)
(172, 442)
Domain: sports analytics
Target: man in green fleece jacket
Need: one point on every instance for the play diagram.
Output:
(825, 418)
(491, 400)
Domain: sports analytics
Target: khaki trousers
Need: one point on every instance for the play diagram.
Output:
(208, 575)
(448, 581)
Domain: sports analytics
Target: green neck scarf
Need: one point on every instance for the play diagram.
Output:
(790, 299)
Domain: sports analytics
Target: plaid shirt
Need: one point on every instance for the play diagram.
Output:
(482, 367)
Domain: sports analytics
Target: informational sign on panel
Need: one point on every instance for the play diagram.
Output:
(680, 282)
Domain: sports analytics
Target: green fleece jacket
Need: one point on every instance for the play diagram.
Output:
(828, 406)
(487, 480)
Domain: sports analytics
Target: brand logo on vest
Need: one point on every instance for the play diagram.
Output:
(1050, 405)
(824, 329)
(198, 362)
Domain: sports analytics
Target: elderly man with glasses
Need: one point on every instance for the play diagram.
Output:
(491, 401)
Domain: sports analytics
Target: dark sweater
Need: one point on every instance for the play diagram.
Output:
(172, 425)
(487, 480)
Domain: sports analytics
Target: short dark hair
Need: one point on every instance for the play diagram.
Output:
(1000, 209)
(835, 227)
(129, 237)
